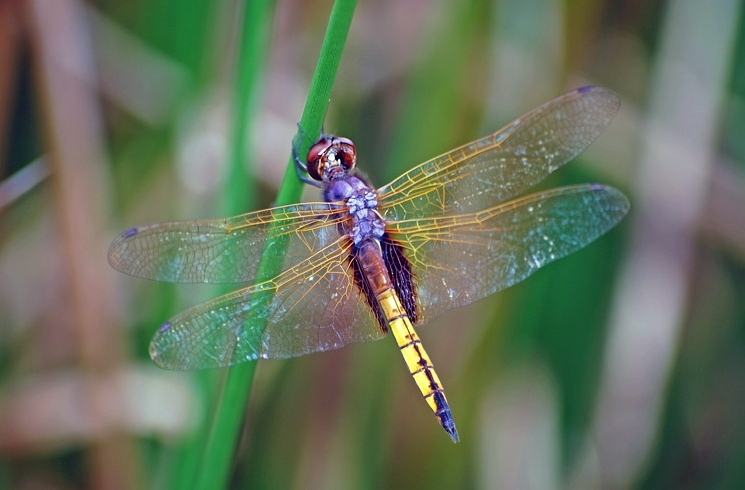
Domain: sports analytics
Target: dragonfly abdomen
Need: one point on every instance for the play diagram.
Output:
(370, 264)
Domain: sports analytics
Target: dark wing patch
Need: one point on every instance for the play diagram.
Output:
(399, 269)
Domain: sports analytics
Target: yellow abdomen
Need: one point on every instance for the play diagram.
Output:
(420, 366)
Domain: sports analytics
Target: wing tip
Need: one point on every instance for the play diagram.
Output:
(621, 203)
(608, 96)
(115, 247)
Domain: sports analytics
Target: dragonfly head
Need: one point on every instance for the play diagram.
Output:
(330, 156)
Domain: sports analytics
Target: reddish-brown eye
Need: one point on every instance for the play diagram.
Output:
(317, 155)
(330, 152)
(347, 152)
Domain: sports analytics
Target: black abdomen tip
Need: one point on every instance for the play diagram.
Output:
(445, 417)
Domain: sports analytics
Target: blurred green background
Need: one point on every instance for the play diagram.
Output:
(621, 366)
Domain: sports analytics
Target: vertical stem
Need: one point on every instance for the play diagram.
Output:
(222, 441)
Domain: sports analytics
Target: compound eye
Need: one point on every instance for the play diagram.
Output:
(346, 152)
(317, 157)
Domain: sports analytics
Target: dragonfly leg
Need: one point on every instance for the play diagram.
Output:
(301, 168)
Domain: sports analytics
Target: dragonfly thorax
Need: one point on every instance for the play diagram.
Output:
(361, 202)
(367, 220)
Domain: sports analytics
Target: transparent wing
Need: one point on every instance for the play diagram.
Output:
(493, 169)
(311, 307)
(457, 260)
(447, 213)
(225, 250)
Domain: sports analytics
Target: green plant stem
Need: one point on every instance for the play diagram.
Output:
(319, 93)
(217, 461)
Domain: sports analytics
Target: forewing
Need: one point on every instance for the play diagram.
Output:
(314, 306)
(457, 260)
(497, 167)
(225, 250)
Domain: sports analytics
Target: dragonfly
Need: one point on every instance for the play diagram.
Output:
(364, 262)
